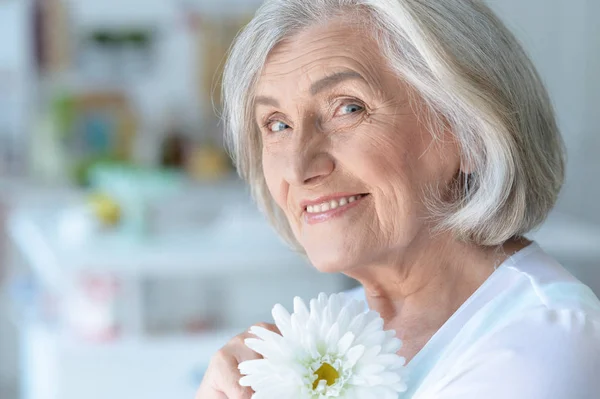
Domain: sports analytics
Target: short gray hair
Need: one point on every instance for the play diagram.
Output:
(466, 67)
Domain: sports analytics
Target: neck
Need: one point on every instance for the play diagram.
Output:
(417, 289)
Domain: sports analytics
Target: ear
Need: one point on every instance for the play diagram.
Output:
(466, 165)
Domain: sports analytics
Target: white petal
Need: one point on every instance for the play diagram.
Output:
(373, 379)
(345, 343)
(399, 387)
(373, 351)
(314, 307)
(334, 306)
(322, 300)
(300, 309)
(389, 359)
(266, 349)
(357, 323)
(255, 366)
(365, 393)
(311, 346)
(357, 306)
(369, 369)
(282, 319)
(332, 338)
(265, 334)
(374, 339)
(343, 319)
(385, 392)
(374, 324)
(353, 355)
(390, 378)
(256, 381)
(246, 381)
(392, 345)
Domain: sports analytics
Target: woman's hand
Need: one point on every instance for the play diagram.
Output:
(222, 377)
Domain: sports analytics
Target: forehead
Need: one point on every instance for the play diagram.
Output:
(321, 50)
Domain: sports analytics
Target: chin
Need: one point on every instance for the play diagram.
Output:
(330, 260)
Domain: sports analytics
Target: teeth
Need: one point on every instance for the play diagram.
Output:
(333, 204)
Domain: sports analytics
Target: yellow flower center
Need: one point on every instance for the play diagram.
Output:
(326, 372)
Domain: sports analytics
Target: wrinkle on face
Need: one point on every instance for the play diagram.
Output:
(386, 151)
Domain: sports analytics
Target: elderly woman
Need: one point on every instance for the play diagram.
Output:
(410, 145)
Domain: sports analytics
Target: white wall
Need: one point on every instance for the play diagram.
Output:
(589, 168)
(563, 39)
(15, 98)
(15, 66)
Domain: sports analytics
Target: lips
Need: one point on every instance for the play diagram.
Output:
(325, 205)
(330, 207)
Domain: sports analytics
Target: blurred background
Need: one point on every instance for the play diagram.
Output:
(129, 251)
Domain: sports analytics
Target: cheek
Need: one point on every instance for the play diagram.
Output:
(386, 156)
(272, 172)
(391, 171)
(382, 154)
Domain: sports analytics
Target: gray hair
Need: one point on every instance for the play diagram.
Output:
(466, 67)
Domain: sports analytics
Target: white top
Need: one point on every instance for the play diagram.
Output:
(531, 331)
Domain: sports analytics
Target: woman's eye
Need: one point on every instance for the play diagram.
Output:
(350, 109)
(277, 126)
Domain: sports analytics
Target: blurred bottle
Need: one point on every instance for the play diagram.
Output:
(47, 155)
(175, 142)
(173, 153)
(51, 36)
(209, 161)
(92, 307)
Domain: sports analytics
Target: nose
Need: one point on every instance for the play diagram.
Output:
(309, 162)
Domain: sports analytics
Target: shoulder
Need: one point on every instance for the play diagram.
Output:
(538, 338)
(545, 353)
(541, 281)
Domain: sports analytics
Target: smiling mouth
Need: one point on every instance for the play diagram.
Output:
(332, 204)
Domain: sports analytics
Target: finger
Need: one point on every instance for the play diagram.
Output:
(262, 331)
(237, 349)
(223, 376)
(206, 391)
(204, 394)
(219, 395)
(228, 380)
(243, 350)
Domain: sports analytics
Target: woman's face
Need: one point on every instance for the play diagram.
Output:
(344, 154)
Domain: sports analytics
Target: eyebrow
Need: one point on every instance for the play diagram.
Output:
(333, 80)
(316, 87)
(264, 100)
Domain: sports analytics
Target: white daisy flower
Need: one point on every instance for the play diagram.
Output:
(335, 350)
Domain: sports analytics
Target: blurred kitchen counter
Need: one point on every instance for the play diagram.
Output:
(211, 234)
